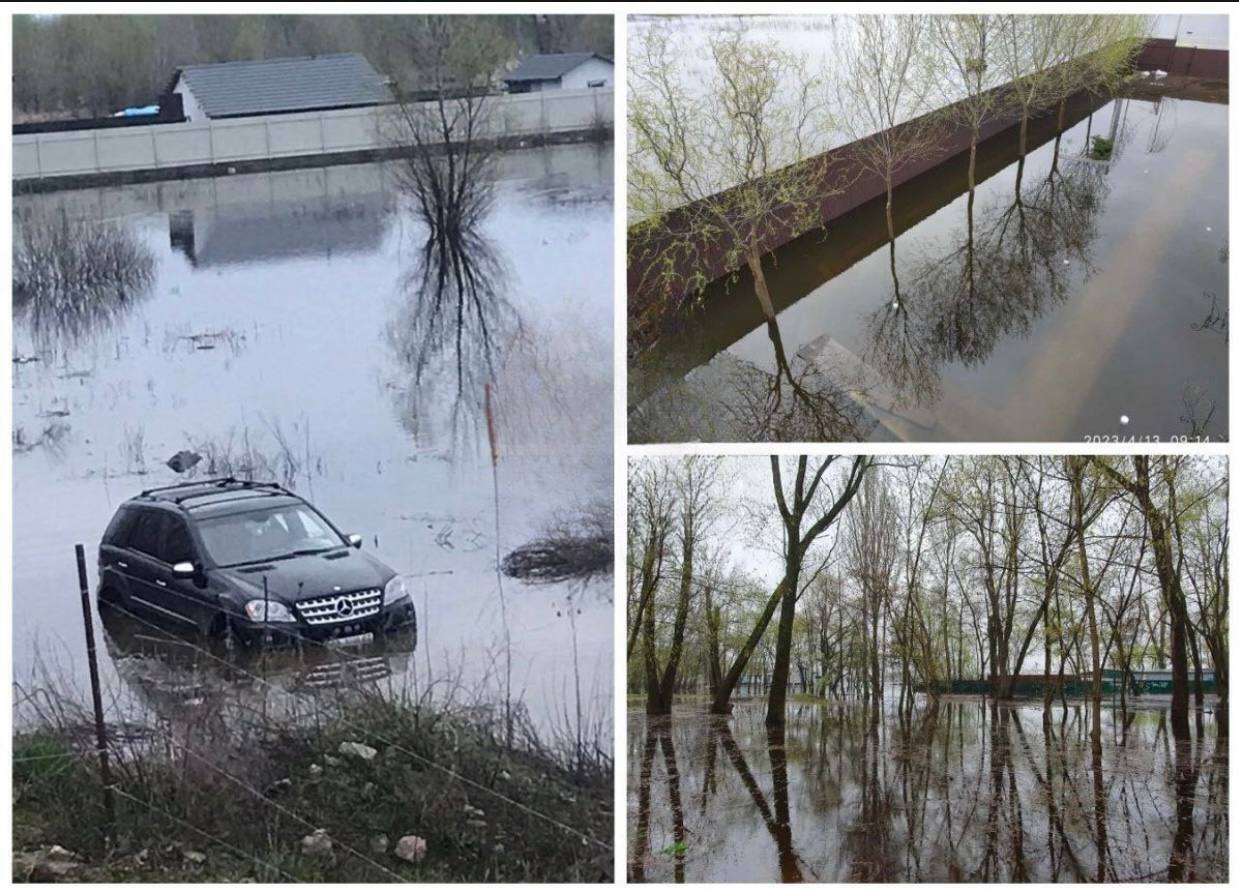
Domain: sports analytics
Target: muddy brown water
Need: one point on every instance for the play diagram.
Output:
(275, 324)
(961, 792)
(1072, 298)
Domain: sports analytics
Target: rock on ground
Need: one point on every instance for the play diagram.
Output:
(358, 750)
(316, 844)
(411, 848)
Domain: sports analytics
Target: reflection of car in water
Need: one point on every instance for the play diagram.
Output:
(171, 669)
(246, 559)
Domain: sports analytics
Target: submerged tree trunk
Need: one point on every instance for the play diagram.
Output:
(895, 277)
(714, 657)
(972, 163)
(1076, 473)
(890, 201)
(1199, 684)
(759, 282)
(776, 706)
(1168, 579)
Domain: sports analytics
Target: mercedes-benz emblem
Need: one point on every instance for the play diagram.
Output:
(343, 606)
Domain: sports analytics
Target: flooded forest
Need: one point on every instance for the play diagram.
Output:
(914, 668)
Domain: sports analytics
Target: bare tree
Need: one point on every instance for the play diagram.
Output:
(966, 75)
(1029, 50)
(1146, 476)
(692, 479)
(441, 120)
(873, 550)
(650, 509)
(719, 166)
(888, 97)
(794, 509)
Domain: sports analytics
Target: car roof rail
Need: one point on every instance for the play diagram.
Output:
(220, 482)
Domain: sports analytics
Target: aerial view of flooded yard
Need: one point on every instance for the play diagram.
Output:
(1072, 298)
(960, 790)
(1077, 292)
(299, 327)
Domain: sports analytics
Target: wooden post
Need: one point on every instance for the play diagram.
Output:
(101, 733)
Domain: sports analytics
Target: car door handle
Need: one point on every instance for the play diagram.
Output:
(161, 582)
(123, 565)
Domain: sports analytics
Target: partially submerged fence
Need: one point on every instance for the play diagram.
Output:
(847, 185)
(1163, 54)
(278, 141)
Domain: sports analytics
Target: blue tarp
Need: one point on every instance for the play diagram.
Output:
(142, 111)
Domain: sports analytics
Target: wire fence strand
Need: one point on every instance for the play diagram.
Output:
(420, 758)
(206, 834)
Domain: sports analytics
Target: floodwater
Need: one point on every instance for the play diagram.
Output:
(960, 792)
(284, 326)
(1072, 299)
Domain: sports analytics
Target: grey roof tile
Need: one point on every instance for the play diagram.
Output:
(265, 86)
(548, 66)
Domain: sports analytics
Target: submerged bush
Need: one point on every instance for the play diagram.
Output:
(1102, 148)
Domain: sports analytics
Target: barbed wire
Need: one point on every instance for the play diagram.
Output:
(207, 835)
(464, 780)
(292, 814)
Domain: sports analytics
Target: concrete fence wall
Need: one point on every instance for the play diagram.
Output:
(347, 132)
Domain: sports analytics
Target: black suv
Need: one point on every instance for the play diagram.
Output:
(250, 559)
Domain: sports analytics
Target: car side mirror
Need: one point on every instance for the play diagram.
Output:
(184, 570)
(355, 540)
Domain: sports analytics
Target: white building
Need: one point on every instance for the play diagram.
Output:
(561, 71)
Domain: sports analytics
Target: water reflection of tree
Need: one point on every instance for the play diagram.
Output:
(451, 329)
(73, 278)
(965, 791)
(1007, 266)
(801, 401)
(804, 399)
(455, 323)
(778, 820)
(658, 735)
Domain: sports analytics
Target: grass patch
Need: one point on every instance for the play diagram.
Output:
(213, 800)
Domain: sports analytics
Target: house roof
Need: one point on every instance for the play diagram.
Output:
(267, 86)
(549, 66)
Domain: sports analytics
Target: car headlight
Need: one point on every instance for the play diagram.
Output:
(395, 591)
(268, 611)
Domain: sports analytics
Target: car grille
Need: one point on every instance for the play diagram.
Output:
(350, 606)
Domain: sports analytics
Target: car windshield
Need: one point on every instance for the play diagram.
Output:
(261, 535)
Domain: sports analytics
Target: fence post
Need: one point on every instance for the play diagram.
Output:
(101, 733)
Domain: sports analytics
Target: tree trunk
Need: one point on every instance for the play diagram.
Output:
(972, 163)
(714, 656)
(1076, 472)
(776, 707)
(722, 700)
(1168, 580)
(890, 200)
(759, 282)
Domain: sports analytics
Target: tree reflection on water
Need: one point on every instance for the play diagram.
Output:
(962, 790)
(1006, 267)
(450, 330)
